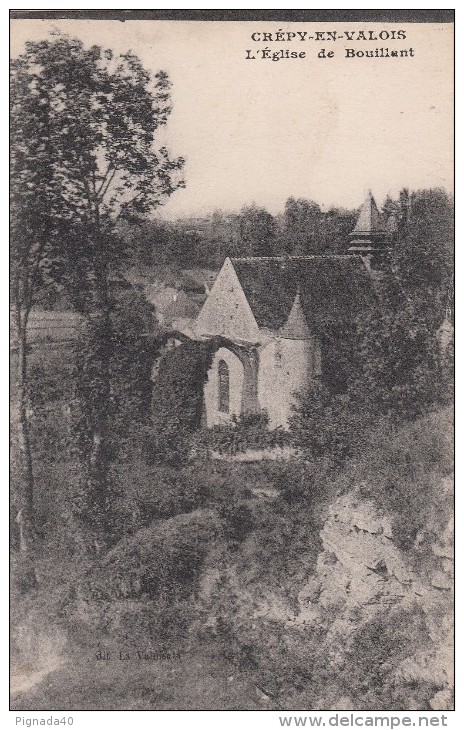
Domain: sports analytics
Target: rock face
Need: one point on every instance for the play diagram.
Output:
(362, 575)
(372, 625)
(361, 566)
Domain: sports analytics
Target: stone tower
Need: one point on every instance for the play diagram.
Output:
(291, 361)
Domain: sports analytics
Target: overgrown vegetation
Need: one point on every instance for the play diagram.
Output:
(178, 401)
(83, 123)
(202, 550)
(124, 534)
(398, 368)
(404, 472)
(250, 431)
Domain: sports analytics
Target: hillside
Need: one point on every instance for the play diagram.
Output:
(334, 600)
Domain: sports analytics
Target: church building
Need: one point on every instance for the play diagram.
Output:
(277, 321)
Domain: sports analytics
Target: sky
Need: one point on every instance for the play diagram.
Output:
(258, 131)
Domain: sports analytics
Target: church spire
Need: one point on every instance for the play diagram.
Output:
(296, 326)
(369, 234)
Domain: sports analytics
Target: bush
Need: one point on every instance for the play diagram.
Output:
(164, 559)
(159, 492)
(303, 483)
(238, 519)
(403, 472)
(328, 426)
(249, 431)
(178, 402)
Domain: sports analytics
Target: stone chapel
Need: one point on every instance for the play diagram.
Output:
(270, 317)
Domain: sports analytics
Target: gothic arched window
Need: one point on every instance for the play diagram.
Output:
(224, 388)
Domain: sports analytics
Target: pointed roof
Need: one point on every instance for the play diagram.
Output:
(369, 234)
(296, 327)
(369, 220)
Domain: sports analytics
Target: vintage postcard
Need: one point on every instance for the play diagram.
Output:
(232, 327)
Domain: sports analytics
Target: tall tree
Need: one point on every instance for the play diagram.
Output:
(302, 224)
(423, 256)
(33, 236)
(83, 157)
(257, 231)
(336, 226)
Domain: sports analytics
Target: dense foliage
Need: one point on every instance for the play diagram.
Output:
(178, 401)
(250, 431)
(397, 367)
(208, 567)
(205, 241)
(84, 157)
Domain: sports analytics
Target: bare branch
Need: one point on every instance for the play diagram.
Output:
(110, 180)
(111, 168)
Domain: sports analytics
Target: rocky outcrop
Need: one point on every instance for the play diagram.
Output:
(360, 564)
(361, 574)
(382, 615)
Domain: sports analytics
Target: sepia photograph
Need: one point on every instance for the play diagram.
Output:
(232, 360)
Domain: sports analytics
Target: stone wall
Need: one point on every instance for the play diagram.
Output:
(285, 368)
(211, 390)
(226, 312)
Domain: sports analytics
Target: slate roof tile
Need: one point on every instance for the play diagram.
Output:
(333, 289)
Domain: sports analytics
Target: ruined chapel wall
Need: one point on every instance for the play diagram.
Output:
(226, 312)
(236, 375)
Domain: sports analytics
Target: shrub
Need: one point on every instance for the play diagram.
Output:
(159, 492)
(304, 483)
(328, 426)
(238, 519)
(249, 431)
(403, 470)
(164, 559)
(177, 402)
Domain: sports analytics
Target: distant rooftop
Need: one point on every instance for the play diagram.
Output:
(370, 232)
(369, 219)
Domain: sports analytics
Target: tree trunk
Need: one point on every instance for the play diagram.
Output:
(101, 321)
(94, 395)
(25, 489)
